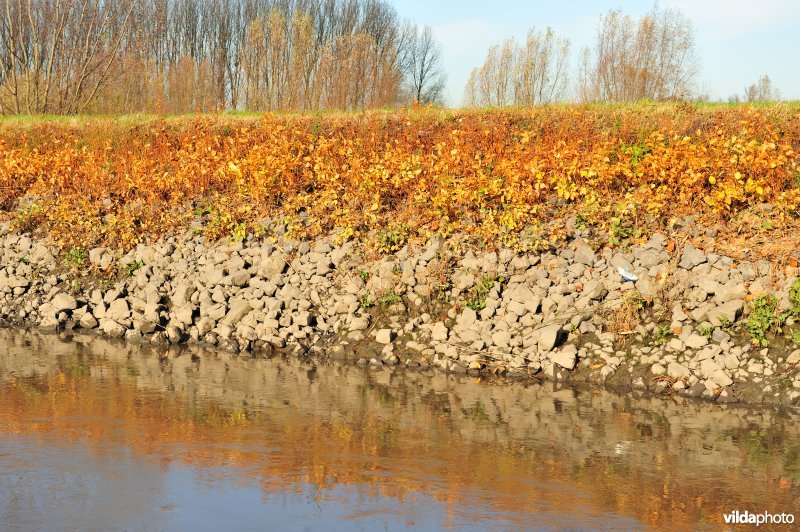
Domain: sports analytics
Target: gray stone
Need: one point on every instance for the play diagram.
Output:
(719, 336)
(566, 357)
(112, 328)
(439, 332)
(182, 294)
(431, 250)
(692, 257)
(676, 344)
(584, 255)
(467, 318)
(96, 255)
(215, 312)
(709, 366)
(49, 324)
(727, 312)
(144, 326)
(205, 325)
(184, 315)
(501, 339)
(385, 336)
(303, 318)
(240, 278)
(463, 280)
(730, 361)
(62, 301)
(359, 323)
(517, 308)
(239, 309)
(696, 341)
(87, 321)
(709, 286)
(719, 378)
(547, 338)
(595, 290)
(648, 258)
(619, 261)
(273, 266)
(174, 334)
(118, 310)
(730, 292)
(656, 242)
(677, 371)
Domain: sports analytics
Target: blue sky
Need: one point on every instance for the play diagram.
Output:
(738, 41)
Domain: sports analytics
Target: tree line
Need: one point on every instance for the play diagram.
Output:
(171, 56)
(174, 56)
(649, 58)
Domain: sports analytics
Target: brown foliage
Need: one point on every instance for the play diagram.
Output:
(496, 175)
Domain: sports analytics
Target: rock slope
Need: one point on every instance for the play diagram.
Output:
(684, 326)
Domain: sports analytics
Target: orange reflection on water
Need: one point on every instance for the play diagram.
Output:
(505, 451)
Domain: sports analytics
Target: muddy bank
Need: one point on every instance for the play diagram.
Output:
(662, 316)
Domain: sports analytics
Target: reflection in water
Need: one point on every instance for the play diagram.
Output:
(94, 433)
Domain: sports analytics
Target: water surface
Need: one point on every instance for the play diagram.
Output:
(98, 435)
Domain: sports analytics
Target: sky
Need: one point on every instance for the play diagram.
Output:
(738, 41)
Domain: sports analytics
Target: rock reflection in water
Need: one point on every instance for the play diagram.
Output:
(94, 432)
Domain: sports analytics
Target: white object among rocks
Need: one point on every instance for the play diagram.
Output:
(628, 276)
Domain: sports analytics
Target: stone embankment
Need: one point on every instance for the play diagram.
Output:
(661, 317)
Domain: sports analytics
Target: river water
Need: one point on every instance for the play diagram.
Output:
(99, 435)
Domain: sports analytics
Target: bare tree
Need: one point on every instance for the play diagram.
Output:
(67, 56)
(541, 68)
(652, 58)
(57, 55)
(763, 91)
(423, 66)
(528, 74)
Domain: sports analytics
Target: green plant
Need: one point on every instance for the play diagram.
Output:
(364, 275)
(76, 256)
(202, 210)
(762, 318)
(238, 231)
(27, 219)
(637, 151)
(620, 231)
(661, 334)
(725, 322)
(260, 231)
(391, 241)
(24, 260)
(477, 301)
(706, 331)
(388, 298)
(584, 220)
(441, 291)
(131, 267)
(367, 301)
(794, 299)
(796, 337)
